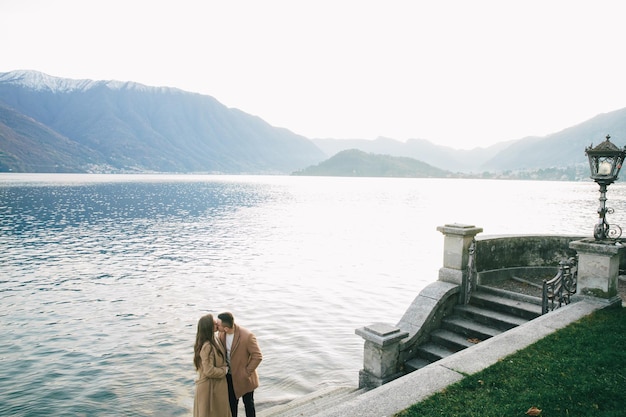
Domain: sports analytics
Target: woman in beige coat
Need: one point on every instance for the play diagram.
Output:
(211, 399)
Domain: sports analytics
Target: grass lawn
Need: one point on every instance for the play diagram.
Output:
(577, 371)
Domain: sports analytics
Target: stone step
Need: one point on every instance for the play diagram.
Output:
(471, 324)
(519, 308)
(508, 294)
(488, 314)
(469, 328)
(313, 403)
(492, 318)
(433, 352)
(450, 340)
(415, 364)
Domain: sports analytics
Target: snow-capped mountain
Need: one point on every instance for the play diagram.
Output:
(39, 81)
(125, 126)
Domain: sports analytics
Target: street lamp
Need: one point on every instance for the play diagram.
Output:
(605, 161)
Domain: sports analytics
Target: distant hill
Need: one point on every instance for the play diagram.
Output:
(446, 158)
(561, 149)
(356, 163)
(52, 124)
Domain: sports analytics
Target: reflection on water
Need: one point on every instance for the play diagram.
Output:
(102, 278)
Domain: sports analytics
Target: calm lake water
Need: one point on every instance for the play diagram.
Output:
(103, 277)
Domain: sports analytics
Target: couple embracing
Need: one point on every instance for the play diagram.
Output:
(226, 365)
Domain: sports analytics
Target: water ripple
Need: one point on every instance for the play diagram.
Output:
(103, 278)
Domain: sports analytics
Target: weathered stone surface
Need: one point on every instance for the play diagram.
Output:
(380, 354)
(453, 276)
(457, 238)
(381, 333)
(598, 267)
(514, 251)
(423, 308)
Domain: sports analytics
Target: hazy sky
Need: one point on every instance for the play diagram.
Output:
(458, 73)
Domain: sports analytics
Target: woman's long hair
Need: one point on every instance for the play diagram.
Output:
(206, 333)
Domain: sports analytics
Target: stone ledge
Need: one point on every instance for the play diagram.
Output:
(382, 334)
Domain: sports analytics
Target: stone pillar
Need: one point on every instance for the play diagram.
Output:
(598, 268)
(381, 354)
(457, 240)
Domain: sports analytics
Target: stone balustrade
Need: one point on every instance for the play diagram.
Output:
(387, 347)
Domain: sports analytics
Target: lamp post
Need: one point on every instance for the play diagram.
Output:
(605, 161)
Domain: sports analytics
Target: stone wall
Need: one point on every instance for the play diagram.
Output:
(494, 253)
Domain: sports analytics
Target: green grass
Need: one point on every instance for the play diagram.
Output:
(577, 371)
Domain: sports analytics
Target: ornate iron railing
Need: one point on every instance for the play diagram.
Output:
(558, 291)
(470, 273)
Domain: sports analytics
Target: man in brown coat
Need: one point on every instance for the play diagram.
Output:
(244, 356)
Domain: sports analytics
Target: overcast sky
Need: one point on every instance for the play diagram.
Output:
(458, 73)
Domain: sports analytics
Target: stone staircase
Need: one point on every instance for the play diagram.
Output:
(312, 404)
(490, 312)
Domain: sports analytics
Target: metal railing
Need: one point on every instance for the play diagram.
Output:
(558, 290)
(469, 282)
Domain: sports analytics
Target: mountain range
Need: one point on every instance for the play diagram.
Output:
(52, 124)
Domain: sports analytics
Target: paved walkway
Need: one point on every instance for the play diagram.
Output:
(401, 393)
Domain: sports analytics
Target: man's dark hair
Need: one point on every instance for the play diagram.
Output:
(227, 319)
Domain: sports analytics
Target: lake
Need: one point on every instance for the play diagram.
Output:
(103, 277)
